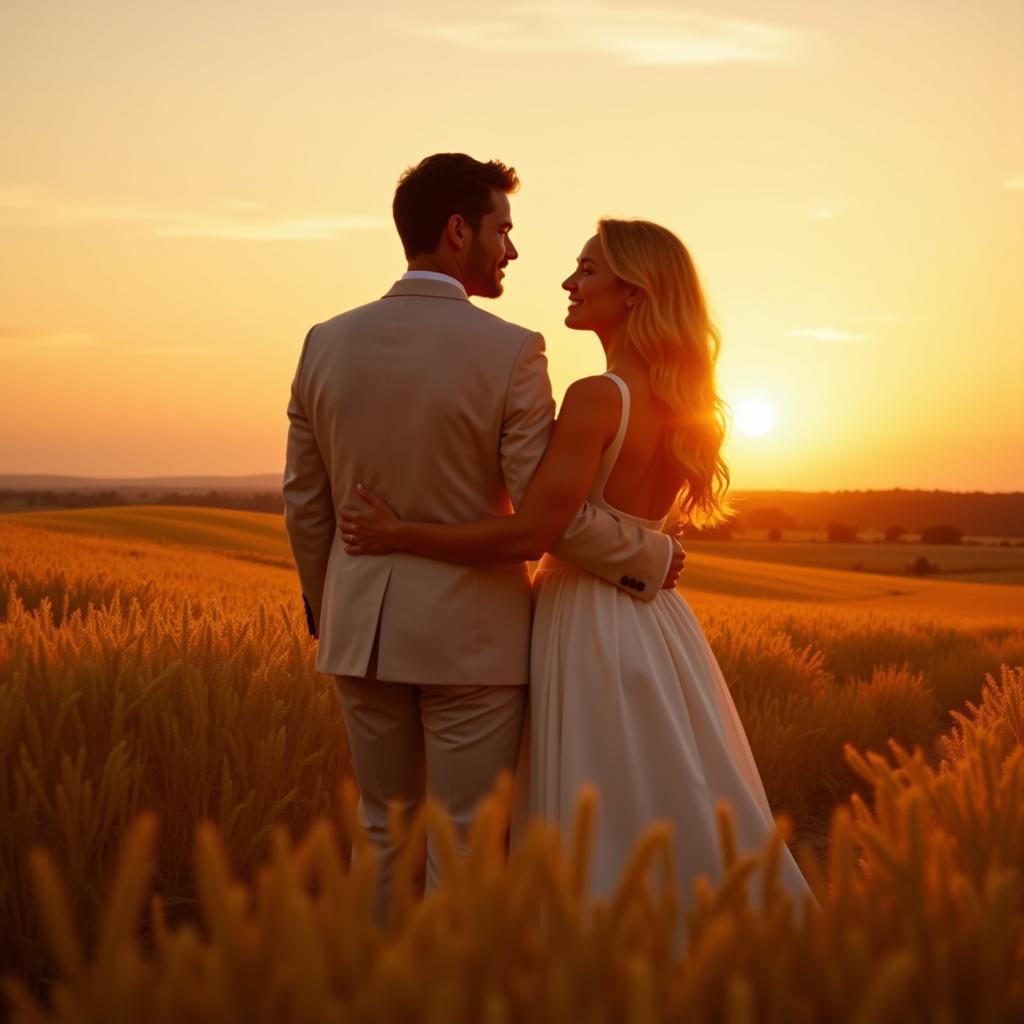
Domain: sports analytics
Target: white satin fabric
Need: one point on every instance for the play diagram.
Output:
(627, 695)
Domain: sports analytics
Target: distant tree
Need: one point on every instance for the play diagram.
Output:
(840, 533)
(721, 532)
(265, 501)
(775, 534)
(894, 534)
(942, 535)
(68, 499)
(922, 567)
(768, 519)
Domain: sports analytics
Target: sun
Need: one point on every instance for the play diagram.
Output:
(755, 417)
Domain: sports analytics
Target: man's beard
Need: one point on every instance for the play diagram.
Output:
(483, 273)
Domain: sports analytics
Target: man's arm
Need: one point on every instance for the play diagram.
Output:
(625, 554)
(308, 504)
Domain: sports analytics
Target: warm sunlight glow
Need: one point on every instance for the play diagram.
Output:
(755, 417)
(811, 183)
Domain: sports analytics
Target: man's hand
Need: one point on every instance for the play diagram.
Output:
(678, 559)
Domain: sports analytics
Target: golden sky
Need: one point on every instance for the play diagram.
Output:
(186, 187)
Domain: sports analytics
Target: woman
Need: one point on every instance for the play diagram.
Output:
(624, 694)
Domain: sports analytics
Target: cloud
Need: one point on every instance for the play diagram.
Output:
(26, 206)
(36, 338)
(827, 334)
(885, 318)
(175, 350)
(637, 36)
(18, 197)
(310, 229)
(830, 207)
(1014, 183)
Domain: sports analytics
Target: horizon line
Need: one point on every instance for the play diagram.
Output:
(169, 478)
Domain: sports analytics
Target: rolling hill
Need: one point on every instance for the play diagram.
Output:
(247, 534)
(711, 571)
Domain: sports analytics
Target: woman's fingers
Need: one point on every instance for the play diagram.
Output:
(371, 499)
(362, 528)
(356, 514)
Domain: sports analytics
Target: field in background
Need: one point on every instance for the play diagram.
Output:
(981, 562)
(259, 534)
(797, 571)
(158, 658)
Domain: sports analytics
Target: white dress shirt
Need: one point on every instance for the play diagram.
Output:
(432, 275)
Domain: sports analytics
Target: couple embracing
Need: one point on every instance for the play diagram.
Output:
(425, 468)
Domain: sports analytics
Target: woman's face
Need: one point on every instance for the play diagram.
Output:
(598, 300)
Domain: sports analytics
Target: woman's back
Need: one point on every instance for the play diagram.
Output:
(642, 479)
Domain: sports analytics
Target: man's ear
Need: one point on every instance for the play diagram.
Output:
(457, 231)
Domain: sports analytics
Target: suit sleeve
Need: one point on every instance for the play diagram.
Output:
(308, 503)
(625, 554)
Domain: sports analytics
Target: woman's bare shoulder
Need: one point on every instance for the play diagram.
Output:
(592, 405)
(598, 390)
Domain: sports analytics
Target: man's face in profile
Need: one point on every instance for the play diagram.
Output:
(491, 249)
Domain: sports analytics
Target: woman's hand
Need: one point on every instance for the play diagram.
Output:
(370, 531)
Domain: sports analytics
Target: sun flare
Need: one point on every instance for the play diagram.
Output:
(755, 417)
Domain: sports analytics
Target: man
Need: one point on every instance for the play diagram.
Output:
(445, 410)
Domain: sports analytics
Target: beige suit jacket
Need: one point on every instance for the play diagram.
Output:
(445, 411)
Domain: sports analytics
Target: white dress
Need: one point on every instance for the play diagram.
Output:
(627, 695)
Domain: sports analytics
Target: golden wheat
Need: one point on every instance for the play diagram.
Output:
(137, 675)
(921, 918)
(164, 681)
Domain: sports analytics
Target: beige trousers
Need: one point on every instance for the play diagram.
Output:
(407, 740)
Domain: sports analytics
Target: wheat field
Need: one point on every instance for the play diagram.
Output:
(139, 676)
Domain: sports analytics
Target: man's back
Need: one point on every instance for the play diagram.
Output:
(407, 395)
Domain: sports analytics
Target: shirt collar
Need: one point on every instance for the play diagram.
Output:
(432, 275)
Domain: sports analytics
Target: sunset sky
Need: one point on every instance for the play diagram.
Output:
(186, 188)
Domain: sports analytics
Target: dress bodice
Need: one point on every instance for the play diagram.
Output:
(608, 459)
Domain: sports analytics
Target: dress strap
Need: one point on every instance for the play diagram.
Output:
(611, 453)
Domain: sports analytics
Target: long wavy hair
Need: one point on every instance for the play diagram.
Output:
(671, 329)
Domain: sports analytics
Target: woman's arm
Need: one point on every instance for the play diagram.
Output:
(586, 424)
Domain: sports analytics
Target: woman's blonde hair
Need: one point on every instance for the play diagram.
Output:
(671, 329)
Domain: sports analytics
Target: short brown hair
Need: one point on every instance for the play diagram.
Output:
(440, 186)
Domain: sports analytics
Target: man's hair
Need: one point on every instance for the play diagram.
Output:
(440, 186)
